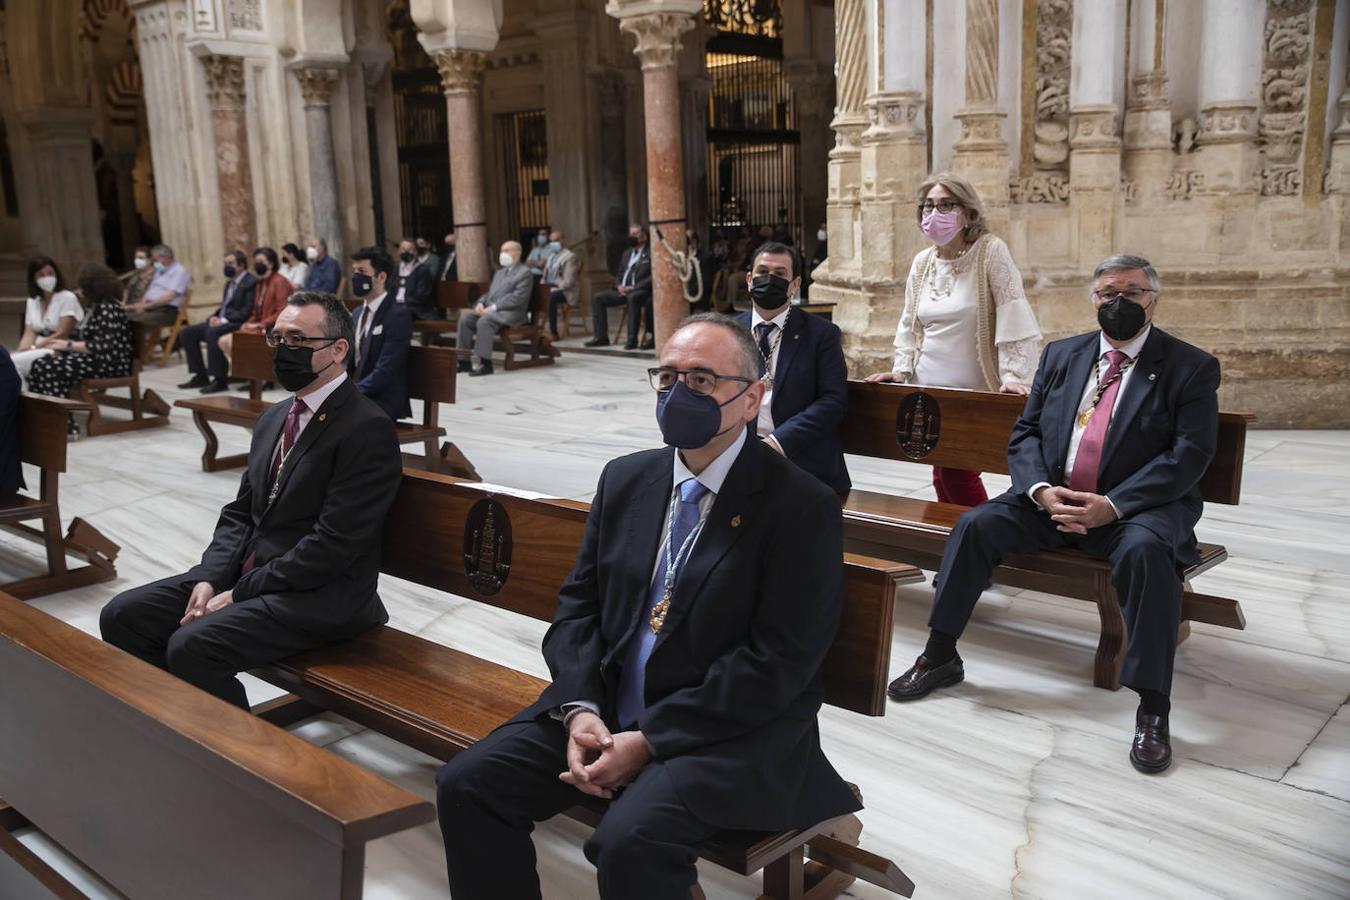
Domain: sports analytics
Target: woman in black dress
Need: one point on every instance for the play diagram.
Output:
(101, 349)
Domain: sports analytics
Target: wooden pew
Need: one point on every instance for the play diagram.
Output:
(451, 296)
(148, 410)
(167, 792)
(42, 443)
(431, 379)
(513, 553)
(529, 336)
(970, 430)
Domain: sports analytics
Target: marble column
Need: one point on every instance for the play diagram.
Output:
(659, 38)
(1148, 115)
(316, 87)
(981, 151)
(1229, 91)
(461, 78)
(842, 211)
(611, 187)
(1096, 92)
(225, 88)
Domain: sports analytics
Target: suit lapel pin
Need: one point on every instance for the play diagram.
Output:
(736, 521)
(1152, 376)
(322, 416)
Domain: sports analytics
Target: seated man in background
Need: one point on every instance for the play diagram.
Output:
(802, 367)
(507, 302)
(383, 334)
(325, 274)
(1107, 457)
(168, 287)
(236, 304)
(632, 287)
(413, 284)
(560, 274)
(295, 558)
(685, 653)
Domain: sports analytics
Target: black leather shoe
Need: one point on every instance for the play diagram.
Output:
(196, 381)
(922, 679)
(465, 365)
(215, 387)
(597, 342)
(1151, 749)
(630, 345)
(484, 368)
(648, 343)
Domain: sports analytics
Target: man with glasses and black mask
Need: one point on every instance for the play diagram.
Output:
(802, 367)
(1106, 458)
(685, 653)
(295, 557)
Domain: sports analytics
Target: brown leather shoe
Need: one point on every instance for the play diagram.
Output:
(922, 679)
(1151, 750)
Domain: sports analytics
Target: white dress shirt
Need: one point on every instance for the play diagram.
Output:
(764, 425)
(369, 307)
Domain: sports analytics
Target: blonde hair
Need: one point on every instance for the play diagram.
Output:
(963, 192)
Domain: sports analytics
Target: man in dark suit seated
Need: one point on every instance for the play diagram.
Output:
(383, 334)
(236, 305)
(632, 287)
(685, 653)
(1107, 457)
(295, 558)
(414, 285)
(802, 367)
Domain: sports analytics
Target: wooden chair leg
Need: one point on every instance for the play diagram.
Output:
(623, 320)
(56, 544)
(433, 458)
(93, 426)
(784, 878)
(1111, 644)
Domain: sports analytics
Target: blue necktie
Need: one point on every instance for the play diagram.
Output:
(633, 679)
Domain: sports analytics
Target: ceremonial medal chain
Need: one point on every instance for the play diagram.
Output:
(673, 563)
(1102, 387)
(281, 467)
(775, 340)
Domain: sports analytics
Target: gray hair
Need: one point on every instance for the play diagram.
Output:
(1119, 262)
(163, 249)
(749, 350)
(337, 321)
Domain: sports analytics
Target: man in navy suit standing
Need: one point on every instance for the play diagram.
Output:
(383, 334)
(1107, 457)
(802, 368)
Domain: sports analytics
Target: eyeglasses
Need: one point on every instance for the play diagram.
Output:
(1134, 295)
(700, 381)
(942, 206)
(274, 339)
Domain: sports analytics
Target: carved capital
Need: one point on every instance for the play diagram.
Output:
(461, 71)
(1227, 123)
(894, 117)
(1043, 187)
(659, 37)
(224, 81)
(981, 130)
(316, 85)
(848, 132)
(1094, 129)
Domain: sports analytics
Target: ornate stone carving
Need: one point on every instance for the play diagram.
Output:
(1183, 184)
(850, 40)
(1129, 189)
(1043, 187)
(1054, 40)
(224, 81)
(1149, 90)
(316, 84)
(1227, 123)
(1284, 95)
(1095, 128)
(659, 37)
(461, 71)
(981, 53)
(204, 15)
(246, 15)
(894, 116)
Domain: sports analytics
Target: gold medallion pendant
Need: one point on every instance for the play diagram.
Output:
(1086, 416)
(659, 613)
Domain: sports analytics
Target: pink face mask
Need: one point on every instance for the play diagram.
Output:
(941, 227)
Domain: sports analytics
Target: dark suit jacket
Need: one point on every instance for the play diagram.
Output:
(418, 286)
(810, 397)
(318, 545)
(11, 468)
(240, 306)
(1161, 440)
(733, 684)
(642, 272)
(383, 376)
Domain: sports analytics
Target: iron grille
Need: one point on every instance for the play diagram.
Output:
(523, 141)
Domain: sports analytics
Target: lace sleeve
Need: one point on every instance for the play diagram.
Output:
(1017, 360)
(906, 344)
(1014, 319)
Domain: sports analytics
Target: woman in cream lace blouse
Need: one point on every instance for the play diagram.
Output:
(966, 321)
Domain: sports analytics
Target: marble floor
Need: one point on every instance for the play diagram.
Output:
(1014, 784)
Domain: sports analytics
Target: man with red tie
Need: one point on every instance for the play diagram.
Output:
(295, 557)
(1107, 457)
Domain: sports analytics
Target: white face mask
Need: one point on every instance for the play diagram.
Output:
(47, 283)
(506, 259)
(141, 262)
(820, 235)
(311, 253)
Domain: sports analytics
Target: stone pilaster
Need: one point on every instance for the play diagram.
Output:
(1147, 144)
(1338, 172)
(461, 74)
(234, 173)
(1095, 98)
(316, 87)
(1227, 156)
(842, 211)
(981, 151)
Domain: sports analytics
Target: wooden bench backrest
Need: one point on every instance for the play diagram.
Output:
(167, 792)
(251, 357)
(456, 294)
(431, 374)
(534, 546)
(41, 423)
(973, 428)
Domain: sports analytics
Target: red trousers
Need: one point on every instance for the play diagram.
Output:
(961, 486)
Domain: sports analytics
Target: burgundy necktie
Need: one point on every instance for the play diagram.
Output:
(289, 430)
(1087, 464)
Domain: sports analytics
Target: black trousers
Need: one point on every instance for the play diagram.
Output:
(555, 300)
(207, 652)
(1143, 572)
(193, 336)
(638, 302)
(490, 796)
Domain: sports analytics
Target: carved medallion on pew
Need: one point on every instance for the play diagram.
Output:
(918, 422)
(487, 546)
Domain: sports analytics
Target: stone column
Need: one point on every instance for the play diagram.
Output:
(225, 88)
(659, 38)
(461, 77)
(57, 195)
(1095, 95)
(1338, 172)
(842, 212)
(1148, 113)
(1230, 84)
(316, 86)
(565, 52)
(611, 187)
(981, 151)
(813, 92)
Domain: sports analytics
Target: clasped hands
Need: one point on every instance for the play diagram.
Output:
(599, 763)
(204, 600)
(481, 310)
(1075, 511)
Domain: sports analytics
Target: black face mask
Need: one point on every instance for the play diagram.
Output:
(633, 240)
(1120, 319)
(231, 271)
(294, 367)
(260, 268)
(769, 292)
(362, 284)
(406, 257)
